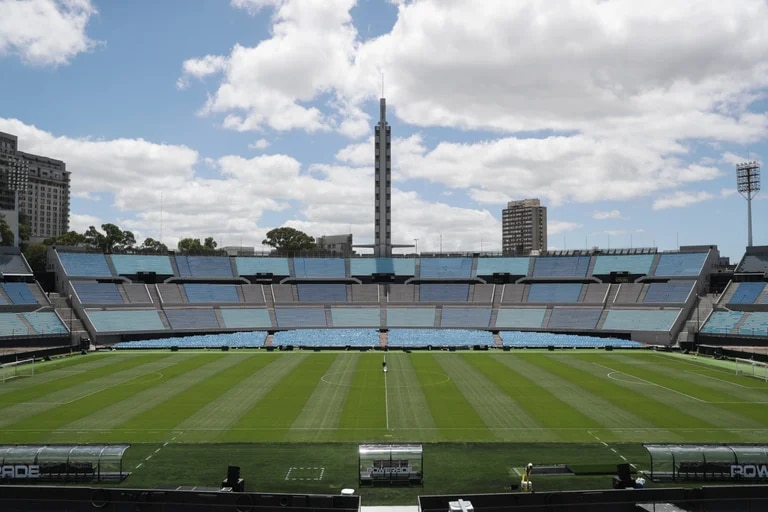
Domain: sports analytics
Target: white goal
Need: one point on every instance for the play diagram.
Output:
(750, 368)
(16, 369)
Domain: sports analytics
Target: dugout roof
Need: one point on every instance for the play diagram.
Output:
(701, 461)
(67, 461)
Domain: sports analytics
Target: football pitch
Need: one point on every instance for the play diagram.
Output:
(292, 419)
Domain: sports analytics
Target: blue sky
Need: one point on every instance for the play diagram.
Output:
(196, 118)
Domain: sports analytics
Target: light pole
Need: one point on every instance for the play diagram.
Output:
(416, 244)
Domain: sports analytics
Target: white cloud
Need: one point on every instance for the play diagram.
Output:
(556, 227)
(681, 199)
(259, 144)
(612, 214)
(45, 32)
(200, 68)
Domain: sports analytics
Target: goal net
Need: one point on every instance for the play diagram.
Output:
(750, 368)
(17, 369)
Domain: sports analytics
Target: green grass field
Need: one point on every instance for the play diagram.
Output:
(480, 415)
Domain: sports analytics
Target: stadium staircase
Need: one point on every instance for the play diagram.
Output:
(63, 308)
(696, 318)
(383, 338)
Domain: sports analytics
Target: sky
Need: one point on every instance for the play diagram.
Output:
(228, 118)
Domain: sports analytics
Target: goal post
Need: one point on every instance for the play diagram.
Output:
(17, 369)
(752, 368)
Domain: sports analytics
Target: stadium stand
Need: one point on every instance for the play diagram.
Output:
(13, 264)
(401, 293)
(747, 293)
(513, 293)
(246, 318)
(458, 317)
(574, 319)
(755, 323)
(80, 264)
(211, 293)
(204, 266)
(482, 293)
(411, 317)
(672, 292)
(355, 317)
(554, 293)
(641, 319)
(169, 293)
(300, 317)
(596, 293)
(542, 339)
(135, 293)
(443, 292)
(755, 261)
(236, 340)
(253, 294)
(635, 264)
(680, 264)
(520, 318)
(722, 322)
(88, 292)
(20, 293)
(282, 293)
(319, 268)
(321, 292)
(132, 264)
(512, 266)
(126, 320)
(445, 268)
(439, 338)
(561, 266)
(203, 319)
(364, 293)
(250, 266)
(12, 325)
(327, 338)
(628, 293)
(45, 322)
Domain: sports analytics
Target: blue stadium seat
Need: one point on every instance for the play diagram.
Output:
(632, 263)
(446, 268)
(673, 292)
(755, 324)
(300, 317)
(248, 339)
(12, 325)
(319, 267)
(211, 293)
(14, 264)
(84, 264)
(250, 266)
(131, 264)
(192, 318)
(465, 317)
(125, 321)
(680, 264)
(544, 339)
(19, 293)
(356, 316)
(520, 318)
(747, 293)
(443, 292)
(554, 293)
(246, 318)
(322, 292)
(411, 317)
(204, 266)
(327, 338)
(641, 319)
(438, 338)
(88, 292)
(578, 319)
(368, 266)
(722, 322)
(561, 266)
(45, 322)
(513, 266)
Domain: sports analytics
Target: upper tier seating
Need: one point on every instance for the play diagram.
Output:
(561, 266)
(513, 293)
(356, 316)
(301, 317)
(443, 292)
(250, 266)
(126, 320)
(253, 293)
(438, 337)
(673, 292)
(364, 293)
(170, 293)
(401, 293)
(369, 266)
(136, 293)
(629, 293)
(578, 319)
(85, 264)
(88, 292)
(446, 268)
(722, 322)
(554, 293)
(322, 292)
(520, 318)
(20, 293)
(641, 319)
(753, 263)
(747, 293)
(411, 317)
(481, 293)
(512, 266)
(45, 322)
(755, 324)
(185, 319)
(596, 293)
(632, 263)
(132, 264)
(327, 338)
(319, 267)
(680, 264)
(204, 266)
(14, 264)
(465, 317)
(246, 318)
(211, 293)
(284, 293)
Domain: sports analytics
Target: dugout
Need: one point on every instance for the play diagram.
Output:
(702, 462)
(63, 463)
(391, 464)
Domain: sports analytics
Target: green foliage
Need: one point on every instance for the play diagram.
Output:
(287, 240)
(155, 246)
(6, 233)
(194, 246)
(112, 240)
(36, 255)
(70, 239)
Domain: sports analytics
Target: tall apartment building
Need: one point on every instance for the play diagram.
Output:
(523, 227)
(43, 188)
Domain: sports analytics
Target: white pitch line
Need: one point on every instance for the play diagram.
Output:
(386, 396)
(652, 383)
(715, 378)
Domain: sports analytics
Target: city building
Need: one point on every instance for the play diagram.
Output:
(335, 245)
(524, 227)
(42, 185)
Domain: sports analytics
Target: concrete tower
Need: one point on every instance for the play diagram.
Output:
(383, 186)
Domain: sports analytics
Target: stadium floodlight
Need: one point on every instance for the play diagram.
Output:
(17, 179)
(748, 184)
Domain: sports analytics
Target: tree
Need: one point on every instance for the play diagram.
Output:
(70, 238)
(6, 233)
(210, 244)
(152, 245)
(288, 240)
(113, 239)
(37, 256)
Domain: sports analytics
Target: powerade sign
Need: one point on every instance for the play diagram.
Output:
(749, 471)
(19, 471)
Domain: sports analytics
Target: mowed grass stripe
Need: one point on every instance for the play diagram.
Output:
(501, 413)
(669, 409)
(38, 388)
(582, 409)
(681, 390)
(282, 402)
(408, 408)
(364, 417)
(164, 417)
(320, 415)
(212, 422)
(454, 416)
(175, 380)
(52, 371)
(63, 405)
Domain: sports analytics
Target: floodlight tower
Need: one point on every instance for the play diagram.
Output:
(17, 179)
(748, 183)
